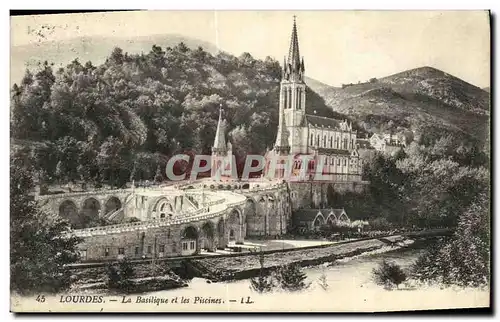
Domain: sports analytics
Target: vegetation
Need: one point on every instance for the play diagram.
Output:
(120, 276)
(389, 274)
(292, 278)
(120, 121)
(322, 281)
(464, 259)
(262, 283)
(39, 244)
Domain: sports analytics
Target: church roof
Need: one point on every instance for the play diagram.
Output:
(293, 52)
(321, 121)
(327, 151)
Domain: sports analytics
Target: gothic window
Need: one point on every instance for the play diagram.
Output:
(345, 162)
(331, 142)
(317, 140)
(311, 139)
(290, 98)
(299, 98)
(338, 161)
(345, 143)
(285, 96)
(353, 143)
(324, 141)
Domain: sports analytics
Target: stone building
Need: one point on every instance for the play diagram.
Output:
(330, 142)
(314, 219)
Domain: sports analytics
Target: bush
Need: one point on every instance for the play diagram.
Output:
(262, 283)
(292, 278)
(389, 274)
(120, 276)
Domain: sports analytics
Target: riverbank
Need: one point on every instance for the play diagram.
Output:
(243, 267)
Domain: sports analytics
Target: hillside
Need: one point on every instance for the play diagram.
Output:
(94, 49)
(416, 99)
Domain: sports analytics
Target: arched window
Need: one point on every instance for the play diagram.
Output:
(345, 143)
(317, 140)
(312, 139)
(324, 141)
(337, 143)
(290, 98)
(331, 142)
(285, 98)
(299, 98)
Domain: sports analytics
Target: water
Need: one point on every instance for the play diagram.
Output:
(350, 288)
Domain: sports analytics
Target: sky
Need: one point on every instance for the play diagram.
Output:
(338, 46)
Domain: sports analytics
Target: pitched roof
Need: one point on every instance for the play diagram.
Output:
(327, 151)
(321, 121)
(305, 215)
(364, 144)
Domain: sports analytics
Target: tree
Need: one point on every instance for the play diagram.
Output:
(262, 283)
(40, 245)
(465, 258)
(389, 274)
(292, 278)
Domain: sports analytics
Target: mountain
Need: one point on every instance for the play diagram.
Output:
(411, 100)
(94, 49)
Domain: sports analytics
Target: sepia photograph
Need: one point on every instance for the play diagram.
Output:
(250, 161)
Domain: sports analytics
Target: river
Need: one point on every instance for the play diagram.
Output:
(350, 288)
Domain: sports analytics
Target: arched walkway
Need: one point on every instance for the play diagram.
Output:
(189, 241)
(207, 238)
(234, 226)
(220, 232)
(254, 222)
(90, 213)
(112, 205)
(69, 211)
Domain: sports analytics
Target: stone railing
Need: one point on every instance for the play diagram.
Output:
(83, 193)
(197, 215)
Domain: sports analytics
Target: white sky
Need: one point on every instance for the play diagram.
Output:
(338, 46)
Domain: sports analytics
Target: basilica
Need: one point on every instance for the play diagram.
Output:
(330, 143)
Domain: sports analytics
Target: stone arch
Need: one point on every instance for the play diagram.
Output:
(254, 222)
(228, 187)
(234, 226)
(162, 208)
(245, 186)
(212, 186)
(207, 237)
(190, 187)
(220, 187)
(112, 205)
(190, 244)
(331, 219)
(89, 213)
(318, 221)
(220, 232)
(343, 217)
(69, 211)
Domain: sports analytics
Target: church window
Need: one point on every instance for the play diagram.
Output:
(324, 141)
(332, 160)
(337, 143)
(312, 139)
(331, 142)
(345, 143)
(289, 98)
(285, 96)
(299, 99)
(345, 162)
(338, 161)
(317, 140)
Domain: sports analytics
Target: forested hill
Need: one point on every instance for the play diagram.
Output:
(133, 110)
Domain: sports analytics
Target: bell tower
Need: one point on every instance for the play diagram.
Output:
(292, 101)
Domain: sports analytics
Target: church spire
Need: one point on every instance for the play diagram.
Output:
(220, 141)
(293, 52)
(294, 67)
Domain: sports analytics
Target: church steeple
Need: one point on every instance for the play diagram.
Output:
(220, 141)
(294, 67)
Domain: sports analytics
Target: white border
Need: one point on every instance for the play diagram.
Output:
(198, 5)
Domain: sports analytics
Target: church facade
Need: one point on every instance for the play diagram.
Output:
(329, 144)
